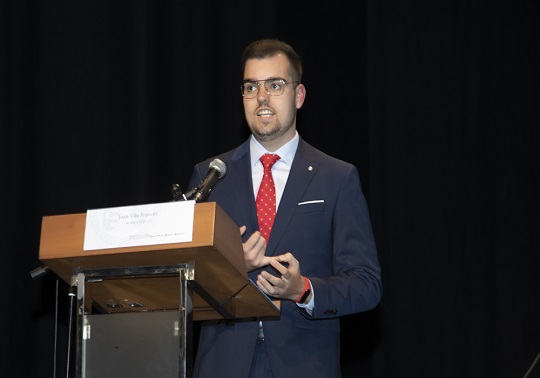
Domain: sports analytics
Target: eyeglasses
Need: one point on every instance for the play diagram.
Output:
(274, 87)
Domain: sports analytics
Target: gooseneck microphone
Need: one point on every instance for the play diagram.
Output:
(216, 171)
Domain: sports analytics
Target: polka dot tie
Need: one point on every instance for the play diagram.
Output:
(266, 197)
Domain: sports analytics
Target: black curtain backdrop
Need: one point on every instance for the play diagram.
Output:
(108, 103)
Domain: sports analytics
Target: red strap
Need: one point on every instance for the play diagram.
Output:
(307, 287)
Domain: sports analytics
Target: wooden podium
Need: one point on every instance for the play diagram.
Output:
(126, 295)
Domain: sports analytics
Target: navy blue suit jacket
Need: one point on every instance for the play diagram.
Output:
(323, 220)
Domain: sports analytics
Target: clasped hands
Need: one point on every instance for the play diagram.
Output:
(290, 283)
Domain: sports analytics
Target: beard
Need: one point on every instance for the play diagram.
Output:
(268, 131)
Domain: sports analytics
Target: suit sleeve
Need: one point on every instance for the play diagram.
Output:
(355, 285)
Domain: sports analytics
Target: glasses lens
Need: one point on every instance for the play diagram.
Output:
(275, 87)
(250, 89)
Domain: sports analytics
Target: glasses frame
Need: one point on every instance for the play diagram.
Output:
(258, 82)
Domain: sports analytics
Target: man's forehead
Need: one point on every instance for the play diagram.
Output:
(260, 69)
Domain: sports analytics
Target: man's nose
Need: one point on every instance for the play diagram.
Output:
(262, 92)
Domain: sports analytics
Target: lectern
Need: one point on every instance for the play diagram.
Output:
(135, 305)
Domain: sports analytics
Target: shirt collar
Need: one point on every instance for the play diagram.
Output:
(285, 152)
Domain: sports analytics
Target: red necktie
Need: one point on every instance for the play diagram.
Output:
(266, 197)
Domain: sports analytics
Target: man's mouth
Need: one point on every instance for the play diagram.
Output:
(265, 112)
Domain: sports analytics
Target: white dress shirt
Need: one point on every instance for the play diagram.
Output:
(280, 173)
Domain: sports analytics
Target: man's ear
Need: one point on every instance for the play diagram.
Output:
(300, 95)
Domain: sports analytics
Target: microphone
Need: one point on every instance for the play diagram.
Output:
(216, 171)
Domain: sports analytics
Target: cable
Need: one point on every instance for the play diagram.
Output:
(55, 329)
(71, 294)
(532, 366)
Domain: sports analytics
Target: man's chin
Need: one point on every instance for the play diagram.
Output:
(265, 133)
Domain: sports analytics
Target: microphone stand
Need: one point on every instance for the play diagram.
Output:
(179, 196)
(176, 192)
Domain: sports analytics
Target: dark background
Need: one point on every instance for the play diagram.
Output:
(107, 103)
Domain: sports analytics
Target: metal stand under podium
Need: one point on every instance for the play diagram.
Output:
(136, 305)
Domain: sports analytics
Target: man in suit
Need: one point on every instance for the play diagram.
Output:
(320, 259)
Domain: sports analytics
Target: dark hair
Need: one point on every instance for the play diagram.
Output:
(265, 48)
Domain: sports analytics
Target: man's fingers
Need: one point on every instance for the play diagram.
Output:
(280, 267)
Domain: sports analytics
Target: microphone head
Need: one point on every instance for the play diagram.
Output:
(219, 166)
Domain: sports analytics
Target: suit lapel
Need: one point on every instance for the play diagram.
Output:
(303, 169)
(241, 186)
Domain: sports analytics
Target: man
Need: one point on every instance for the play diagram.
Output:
(320, 259)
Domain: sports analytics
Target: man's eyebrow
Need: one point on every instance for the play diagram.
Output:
(250, 80)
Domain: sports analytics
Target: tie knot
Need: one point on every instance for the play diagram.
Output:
(268, 160)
